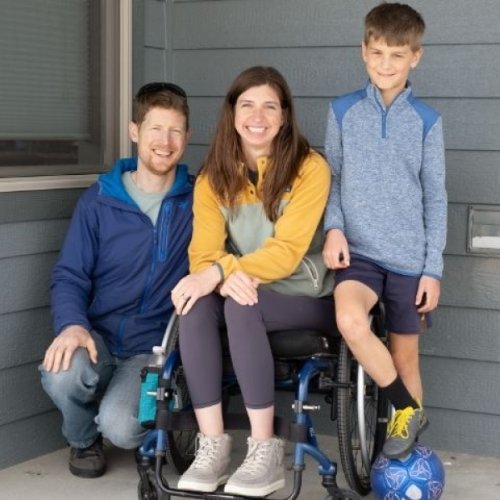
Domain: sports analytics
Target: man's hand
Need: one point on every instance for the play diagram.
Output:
(192, 287)
(336, 250)
(64, 346)
(428, 293)
(241, 288)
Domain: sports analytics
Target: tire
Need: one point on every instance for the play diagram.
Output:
(359, 450)
(181, 444)
(146, 490)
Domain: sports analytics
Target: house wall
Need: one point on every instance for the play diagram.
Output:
(203, 45)
(32, 226)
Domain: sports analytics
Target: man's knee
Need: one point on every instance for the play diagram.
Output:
(80, 380)
(120, 426)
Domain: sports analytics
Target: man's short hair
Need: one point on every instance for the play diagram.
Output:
(396, 23)
(162, 95)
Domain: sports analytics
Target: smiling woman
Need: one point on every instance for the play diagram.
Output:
(256, 265)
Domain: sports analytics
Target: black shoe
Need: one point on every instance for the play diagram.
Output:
(88, 462)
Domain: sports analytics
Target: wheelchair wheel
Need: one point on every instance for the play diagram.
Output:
(362, 419)
(181, 444)
(147, 488)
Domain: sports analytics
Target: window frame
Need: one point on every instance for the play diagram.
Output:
(116, 93)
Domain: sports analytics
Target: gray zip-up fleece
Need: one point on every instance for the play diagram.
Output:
(388, 191)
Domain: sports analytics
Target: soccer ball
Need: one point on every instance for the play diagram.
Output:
(419, 476)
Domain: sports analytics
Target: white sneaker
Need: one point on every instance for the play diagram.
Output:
(209, 468)
(262, 471)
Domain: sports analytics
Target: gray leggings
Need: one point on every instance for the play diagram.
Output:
(247, 328)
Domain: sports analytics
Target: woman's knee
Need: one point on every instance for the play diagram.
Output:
(240, 318)
(206, 311)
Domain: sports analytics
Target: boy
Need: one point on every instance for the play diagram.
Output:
(386, 216)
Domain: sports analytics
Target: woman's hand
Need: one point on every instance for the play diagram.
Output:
(241, 288)
(192, 287)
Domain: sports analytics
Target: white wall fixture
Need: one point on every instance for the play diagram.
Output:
(484, 229)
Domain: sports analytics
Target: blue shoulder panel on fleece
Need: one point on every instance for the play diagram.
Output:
(428, 115)
(342, 104)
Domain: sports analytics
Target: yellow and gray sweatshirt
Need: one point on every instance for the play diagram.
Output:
(285, 255)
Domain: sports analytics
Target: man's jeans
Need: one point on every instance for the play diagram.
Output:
(98, 398)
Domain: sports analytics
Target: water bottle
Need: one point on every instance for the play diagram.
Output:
(150, 376)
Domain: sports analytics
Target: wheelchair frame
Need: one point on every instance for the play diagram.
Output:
(360, 410)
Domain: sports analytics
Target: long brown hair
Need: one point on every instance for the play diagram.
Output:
(225, 161)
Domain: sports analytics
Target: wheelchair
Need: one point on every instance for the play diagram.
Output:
(307, 362)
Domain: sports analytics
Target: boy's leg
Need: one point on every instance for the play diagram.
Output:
(404, 352)
(117, 418)
(402, 317)
(353, 302)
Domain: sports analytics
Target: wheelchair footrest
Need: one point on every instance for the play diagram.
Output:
(186, 420)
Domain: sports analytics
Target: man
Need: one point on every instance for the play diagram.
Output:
(125, 250)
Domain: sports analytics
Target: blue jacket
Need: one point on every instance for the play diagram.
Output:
(116, 270)
(388, 188)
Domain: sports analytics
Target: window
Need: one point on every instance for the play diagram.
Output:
(57, 62)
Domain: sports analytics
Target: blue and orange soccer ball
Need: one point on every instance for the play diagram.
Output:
(420, 476)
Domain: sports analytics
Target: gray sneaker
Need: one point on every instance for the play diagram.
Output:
(209, 469)
(403, 430)
(262, 471)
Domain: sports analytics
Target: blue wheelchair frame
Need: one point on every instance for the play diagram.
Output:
(300, 431)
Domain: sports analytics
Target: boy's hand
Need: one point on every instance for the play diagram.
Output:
(428, 293)
(59, 354)
(336, 250)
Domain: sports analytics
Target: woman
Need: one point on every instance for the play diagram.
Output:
(256, 266)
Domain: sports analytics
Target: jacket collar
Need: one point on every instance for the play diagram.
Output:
(111, 183)
(374, 94)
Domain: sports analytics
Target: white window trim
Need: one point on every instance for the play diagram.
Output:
(115, 127)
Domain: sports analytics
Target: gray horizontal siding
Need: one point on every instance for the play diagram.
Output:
(463, 333)
(469, 124)
(25, 282)
(471, 282)
(468, 432)
(154, 65)
(32, 228)
(37, 205)
(22, 238)
(332, 71)
(154, 21)
(277, 23)
(473, 176)
(29, 437)
(24, 337)
(453, 384)
(20, 386)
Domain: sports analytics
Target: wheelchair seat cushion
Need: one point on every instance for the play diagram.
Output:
(300, 344)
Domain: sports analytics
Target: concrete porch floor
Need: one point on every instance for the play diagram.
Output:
(468, 477)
